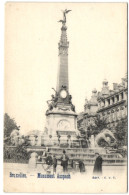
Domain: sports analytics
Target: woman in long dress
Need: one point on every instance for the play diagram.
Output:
(98, 164)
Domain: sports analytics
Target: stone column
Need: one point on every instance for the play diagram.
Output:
(33, 160)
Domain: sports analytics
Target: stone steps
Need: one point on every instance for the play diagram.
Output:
(87, 155)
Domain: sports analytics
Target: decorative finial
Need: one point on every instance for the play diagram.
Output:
(64, 16)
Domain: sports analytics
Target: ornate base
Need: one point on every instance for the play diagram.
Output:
(61, 139)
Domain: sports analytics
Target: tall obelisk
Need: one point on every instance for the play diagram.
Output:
(62, 79)
(61, 116)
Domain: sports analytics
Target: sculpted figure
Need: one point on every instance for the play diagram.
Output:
(64, 16)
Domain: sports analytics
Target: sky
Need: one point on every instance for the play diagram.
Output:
(97, 35)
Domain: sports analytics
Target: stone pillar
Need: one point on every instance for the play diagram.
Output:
(33, 160)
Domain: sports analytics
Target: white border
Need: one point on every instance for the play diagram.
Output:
(2, 4)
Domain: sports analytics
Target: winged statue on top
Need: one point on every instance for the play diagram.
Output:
(64, 16)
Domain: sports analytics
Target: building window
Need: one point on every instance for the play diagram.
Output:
(122, 96)
(108, 101)
(113, 99)
(117, 96)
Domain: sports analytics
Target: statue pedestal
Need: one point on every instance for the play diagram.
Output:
(60, 139)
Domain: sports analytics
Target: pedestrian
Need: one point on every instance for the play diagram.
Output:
(48, 162)
(54, 164)
(81, 166)
(64, 161)
(98, 164)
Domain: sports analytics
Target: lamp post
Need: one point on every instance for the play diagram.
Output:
(59, 139)
(69, 143)
(50, 136)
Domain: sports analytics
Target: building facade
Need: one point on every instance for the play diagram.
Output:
(87, 117)
(113, 105)
(110, 105)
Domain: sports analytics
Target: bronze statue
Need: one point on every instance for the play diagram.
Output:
(64, 16)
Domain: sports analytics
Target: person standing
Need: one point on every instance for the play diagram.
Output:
(98, 164)
(54, 164)
(81, 166)
(64, 161)
(48, 162)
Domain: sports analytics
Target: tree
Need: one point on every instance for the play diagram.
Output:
(17, 154)
(9, 125)
(98, 125)
(121, 130)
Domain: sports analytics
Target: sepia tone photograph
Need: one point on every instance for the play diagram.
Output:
(65, 97)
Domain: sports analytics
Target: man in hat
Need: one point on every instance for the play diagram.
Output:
(64, 161)
(98, 164)
(54, 164)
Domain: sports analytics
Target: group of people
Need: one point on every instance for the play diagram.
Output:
(51, 161)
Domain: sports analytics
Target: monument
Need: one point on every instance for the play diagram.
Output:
(61, 123)
(61, 118)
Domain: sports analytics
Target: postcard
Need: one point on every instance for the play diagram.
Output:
(65, 86)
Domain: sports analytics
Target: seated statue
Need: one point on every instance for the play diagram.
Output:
(72, 107)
